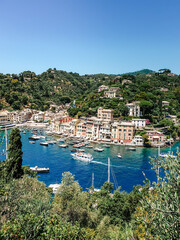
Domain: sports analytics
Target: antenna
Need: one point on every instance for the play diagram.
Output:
(108, 169)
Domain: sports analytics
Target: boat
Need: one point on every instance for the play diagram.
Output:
(119, 155)
(41, 136)
(51, 142)
(81, 150)
(105, 145)
(86, 157)
(89, 146)
(39, 170)
(60, 139)
(34, 137)
(131, 149)
(165, 155)
(63, 145)
(74, 150)
(44, 143)
(54, 187)
(76, 146)
(32, 142)
(98, 149)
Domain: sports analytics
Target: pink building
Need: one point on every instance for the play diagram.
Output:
(156, 136)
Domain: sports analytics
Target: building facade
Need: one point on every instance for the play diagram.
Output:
(139, 123)
(105, 114)
(122, 132)
(134, 109)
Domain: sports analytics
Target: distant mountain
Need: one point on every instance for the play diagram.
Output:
(143, 71)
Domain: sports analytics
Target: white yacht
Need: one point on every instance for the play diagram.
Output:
(98, 149)
(86, 157)
(44, 143)
(34, 137)
(119, 155)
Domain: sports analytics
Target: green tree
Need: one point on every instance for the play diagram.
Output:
(158, 215)
(146, 106)
(13, 165)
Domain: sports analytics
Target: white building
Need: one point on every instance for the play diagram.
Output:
(139, 123)
(134, 109)
(103, 88)
(138, 141)
(38, 117)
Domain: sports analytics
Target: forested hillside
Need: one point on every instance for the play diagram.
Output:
(55, 86)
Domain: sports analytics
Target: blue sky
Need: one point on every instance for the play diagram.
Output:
(89, 36)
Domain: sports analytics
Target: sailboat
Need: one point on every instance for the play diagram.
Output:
(165, 155)
(97, 189)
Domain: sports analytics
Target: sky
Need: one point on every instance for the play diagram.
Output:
(89, 36)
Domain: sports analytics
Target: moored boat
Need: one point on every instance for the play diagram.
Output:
(105, 145)
(119, 155)
(166, 155)
(98, 149)
(44, 143)
(39, 170)
(34, 137)
(54, 187)
(63, 145)
(131, 149)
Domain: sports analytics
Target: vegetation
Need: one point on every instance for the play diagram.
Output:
(28, 210)
(55, 86)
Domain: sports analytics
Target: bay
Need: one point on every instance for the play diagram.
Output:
(125, 172)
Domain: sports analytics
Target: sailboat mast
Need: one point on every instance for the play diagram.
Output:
(108, 169)
(159, 150)
(6, 142)
(92, 179)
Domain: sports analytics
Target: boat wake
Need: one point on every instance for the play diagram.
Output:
(116, 166)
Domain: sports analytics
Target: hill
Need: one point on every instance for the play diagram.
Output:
(37, 91)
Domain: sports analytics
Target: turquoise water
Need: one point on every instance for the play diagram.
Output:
(125, 172)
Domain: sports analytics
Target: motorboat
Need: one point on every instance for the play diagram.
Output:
(39, 170)
(33, 142)
(51, 142)
(54, 187)
(131, 149)
(44, 143)
(166, 155)
(81, 150)
(89, 146)
(63, 145)
(60, 139)
(105, 145)
(98, 149)
(119, 155)
(34, 137)
(86, 157)
(74, 150)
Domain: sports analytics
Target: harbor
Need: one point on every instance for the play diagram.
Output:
(126, 165)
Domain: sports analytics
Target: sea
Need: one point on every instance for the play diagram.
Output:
(130, 170)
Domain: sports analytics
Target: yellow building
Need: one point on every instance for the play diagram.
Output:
(122, 132)
(105, 114)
